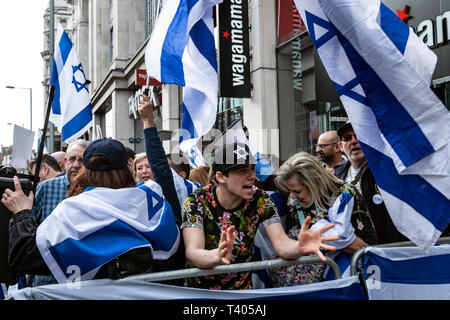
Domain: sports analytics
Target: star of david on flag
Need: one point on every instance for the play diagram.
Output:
(181, 50)
(382, 72)
(101, 224)
(71, 108)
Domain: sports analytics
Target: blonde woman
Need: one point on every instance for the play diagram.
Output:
(317, 193)
(142, 170)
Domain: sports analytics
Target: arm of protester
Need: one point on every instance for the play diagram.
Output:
(157, 157)
(24, 256)
(198, 256)
(355, 246)
(308, 241)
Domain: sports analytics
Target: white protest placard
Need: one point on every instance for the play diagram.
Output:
(22, 146)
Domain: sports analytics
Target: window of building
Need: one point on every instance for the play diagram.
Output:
(228, 111)
(308, 102)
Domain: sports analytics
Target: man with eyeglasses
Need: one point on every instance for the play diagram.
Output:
(328, 151)
(357, 172)
(53, 191)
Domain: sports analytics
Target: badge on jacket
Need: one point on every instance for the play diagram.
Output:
(377, 199)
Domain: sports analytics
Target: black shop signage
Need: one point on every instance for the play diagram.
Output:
(234, 55)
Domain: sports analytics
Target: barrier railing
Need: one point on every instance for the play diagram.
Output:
(237, 267)
(360, 253)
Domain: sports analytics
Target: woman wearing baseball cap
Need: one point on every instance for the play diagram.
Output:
(105, 162)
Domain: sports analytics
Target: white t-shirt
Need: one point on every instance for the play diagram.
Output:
(351, 175)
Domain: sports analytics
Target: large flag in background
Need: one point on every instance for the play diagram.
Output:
(382, 72)
(86, 231)
(181, 51)
(71, 108)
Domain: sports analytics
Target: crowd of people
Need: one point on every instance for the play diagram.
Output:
(324, 205)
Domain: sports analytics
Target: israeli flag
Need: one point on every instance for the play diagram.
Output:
(86, 231)
(181, 51)
(340, 215)
(71, 108)
(407, 273)
(107, 289)
(382, 72)
(45, 151)
(183, 187)
(3, 291)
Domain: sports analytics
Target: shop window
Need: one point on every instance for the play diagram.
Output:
(228, 111)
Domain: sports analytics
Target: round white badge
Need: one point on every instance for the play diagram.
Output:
(377, 199)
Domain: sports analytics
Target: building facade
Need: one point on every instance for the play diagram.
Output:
(292, 99)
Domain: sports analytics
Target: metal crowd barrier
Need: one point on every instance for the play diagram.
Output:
(360, 253)
(237, 267)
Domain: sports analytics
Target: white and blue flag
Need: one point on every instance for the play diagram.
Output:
(108, 289)
(340, 215)
(71, 108)
(407, 273)
(183, 187)
(86, 231)
(181, 51)
(45, 151)
(382, 72)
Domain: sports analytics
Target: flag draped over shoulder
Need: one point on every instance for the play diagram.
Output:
(181, 51)
(71, 108)
(183, 187)
(382, 72)
(86, 231)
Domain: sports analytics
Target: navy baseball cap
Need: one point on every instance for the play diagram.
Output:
(231, 155)
(113, 150)
(344, 127)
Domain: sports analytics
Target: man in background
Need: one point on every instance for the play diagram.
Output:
(328, 151)
(59, 156)
(50, 168)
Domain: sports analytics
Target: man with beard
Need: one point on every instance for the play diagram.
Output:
(328, 151)
(357, 172)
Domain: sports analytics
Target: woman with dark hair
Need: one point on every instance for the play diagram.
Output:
(114, 179)
(105, 227)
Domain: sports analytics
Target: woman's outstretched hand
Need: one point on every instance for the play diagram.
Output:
(312, 241)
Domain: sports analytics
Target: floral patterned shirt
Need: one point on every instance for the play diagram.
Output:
(314, 272)
(202, 210)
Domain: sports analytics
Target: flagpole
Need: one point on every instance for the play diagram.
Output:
(51, 95)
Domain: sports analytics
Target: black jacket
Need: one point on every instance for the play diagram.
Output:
(384, 227)
(25, 258)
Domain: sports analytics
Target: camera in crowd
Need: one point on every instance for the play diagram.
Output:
(7, 182)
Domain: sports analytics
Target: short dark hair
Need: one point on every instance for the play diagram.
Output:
(49, 160)
(130, 153)
(181, 164)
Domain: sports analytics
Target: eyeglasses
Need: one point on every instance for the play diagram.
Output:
(348, 137)
(323, 145)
